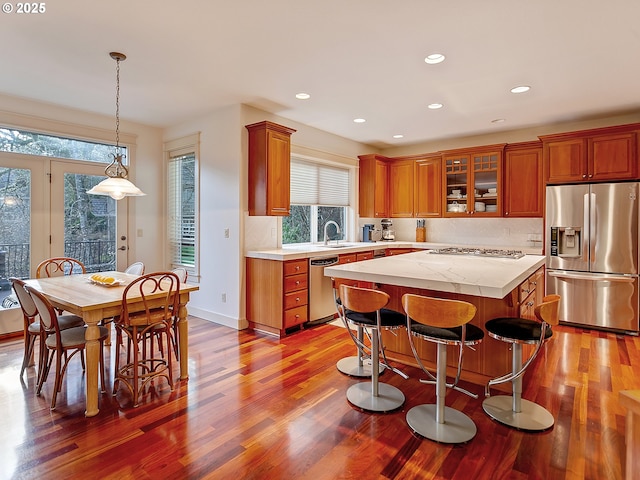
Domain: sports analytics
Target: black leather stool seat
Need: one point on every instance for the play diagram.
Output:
(517, 329)
(388, 318)
(474, 334)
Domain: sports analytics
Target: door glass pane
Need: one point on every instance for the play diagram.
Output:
(89, 223)
(15, 228)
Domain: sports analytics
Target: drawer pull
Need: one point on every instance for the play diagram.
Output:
(297, 316)
(297, 282)
(297, 267)
(297, 299)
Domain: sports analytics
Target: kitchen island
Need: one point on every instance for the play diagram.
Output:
(498, 287)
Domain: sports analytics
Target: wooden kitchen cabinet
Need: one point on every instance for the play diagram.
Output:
(277, 294)
(473, 177)
(401, 188)
(269, 169)
(531, 293)
(364, 255)
(523, 185)
(373, 183)
(603, 154)
(427, 190)
(347, 258)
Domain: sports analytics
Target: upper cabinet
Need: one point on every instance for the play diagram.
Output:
(427, 187)
(269, 168)
(596, 155)
(401, 188)
(472, 180)
(523, 187)
(373, 184)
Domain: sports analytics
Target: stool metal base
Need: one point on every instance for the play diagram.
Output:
(351, 366)
(457, 427)
(532, 417)
(389, 397)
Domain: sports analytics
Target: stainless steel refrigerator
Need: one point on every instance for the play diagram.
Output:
(591, 246)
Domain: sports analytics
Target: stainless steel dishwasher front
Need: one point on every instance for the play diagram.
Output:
(321, 304)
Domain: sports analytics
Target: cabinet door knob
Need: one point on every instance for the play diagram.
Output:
(506, 213)
(590, 175)
(584, 176)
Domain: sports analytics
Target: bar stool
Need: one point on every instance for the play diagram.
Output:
(364, 307)
(444, 322)
(513, 410)
(358, 365)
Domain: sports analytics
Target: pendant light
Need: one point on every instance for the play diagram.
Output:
(116, 185)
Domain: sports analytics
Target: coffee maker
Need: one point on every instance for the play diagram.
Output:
(388, 234)
(367, 232)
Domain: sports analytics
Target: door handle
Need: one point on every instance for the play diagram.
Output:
(122, 248)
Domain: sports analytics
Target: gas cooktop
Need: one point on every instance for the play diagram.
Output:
(479, 252)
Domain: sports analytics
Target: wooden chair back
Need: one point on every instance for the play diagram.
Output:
(159, 294)
(362, 299)
(58, 266)
(48, 315)
(438, 312)
(182, 274)
(136, 268)
(549, 310)
(29, 310)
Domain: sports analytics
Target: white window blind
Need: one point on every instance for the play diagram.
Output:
(318, 184)
(181, 193)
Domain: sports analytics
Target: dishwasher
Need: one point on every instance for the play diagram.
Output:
(321, 304)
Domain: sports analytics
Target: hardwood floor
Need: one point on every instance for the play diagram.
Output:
(258, 407)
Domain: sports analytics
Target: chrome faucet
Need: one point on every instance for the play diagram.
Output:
(325, 231)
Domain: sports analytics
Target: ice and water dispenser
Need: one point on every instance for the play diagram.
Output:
(566, 242)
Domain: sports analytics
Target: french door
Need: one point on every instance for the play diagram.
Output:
(45, 212)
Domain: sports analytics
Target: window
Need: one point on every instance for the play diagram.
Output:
(32, 143)
(319, 193)
(182, 195)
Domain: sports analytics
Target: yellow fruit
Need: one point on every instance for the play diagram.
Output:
(108, 280)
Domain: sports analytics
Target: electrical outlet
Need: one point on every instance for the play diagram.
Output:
(224, 298)
(226, 233)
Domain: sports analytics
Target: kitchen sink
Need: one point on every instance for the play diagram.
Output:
(336, 245)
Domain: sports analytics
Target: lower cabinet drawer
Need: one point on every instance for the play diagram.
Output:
(296, 299)
(295, 316)
(295, 282)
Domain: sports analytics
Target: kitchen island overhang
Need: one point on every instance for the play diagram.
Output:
(497, 287)
(468, 275)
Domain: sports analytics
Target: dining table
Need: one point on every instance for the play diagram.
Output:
(94, 302)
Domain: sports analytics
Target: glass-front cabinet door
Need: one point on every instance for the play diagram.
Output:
(472, 181)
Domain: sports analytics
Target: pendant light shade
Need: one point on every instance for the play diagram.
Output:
(116, 185)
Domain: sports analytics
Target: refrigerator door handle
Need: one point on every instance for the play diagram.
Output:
(592, 276)
(586, 232)
(593, 228)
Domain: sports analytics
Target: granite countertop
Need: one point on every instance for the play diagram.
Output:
(469, 275)
(295, 252)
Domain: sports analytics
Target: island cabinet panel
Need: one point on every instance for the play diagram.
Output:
(401, 184)
(597, 155)
(523, 180)
(277, 294)
(269, 169)
(373, 186)
(427, 190)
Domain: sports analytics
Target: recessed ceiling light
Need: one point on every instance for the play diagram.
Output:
(359, 120)
(434, 58)
(498, 120)
(302, 96)
(520, 89)
(398, 136)
(435, 106)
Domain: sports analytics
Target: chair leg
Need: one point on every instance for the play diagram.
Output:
(439, 422)
(29, 344)
(513, 410)
(354, 366)
(375, 396)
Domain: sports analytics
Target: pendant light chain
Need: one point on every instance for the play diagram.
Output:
(118, 106)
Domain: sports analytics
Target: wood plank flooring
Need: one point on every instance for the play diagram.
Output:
(257, 407)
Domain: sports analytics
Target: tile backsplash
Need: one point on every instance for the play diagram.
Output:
(502, 232)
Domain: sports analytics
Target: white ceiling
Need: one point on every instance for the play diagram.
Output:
(357, 58)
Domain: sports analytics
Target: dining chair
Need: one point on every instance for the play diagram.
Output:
(61, 343)
(136, 268)
(158, 292)
(59, 266)
(32, 329)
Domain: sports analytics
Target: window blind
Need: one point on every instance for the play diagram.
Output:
(318, 184)
(181, 226)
